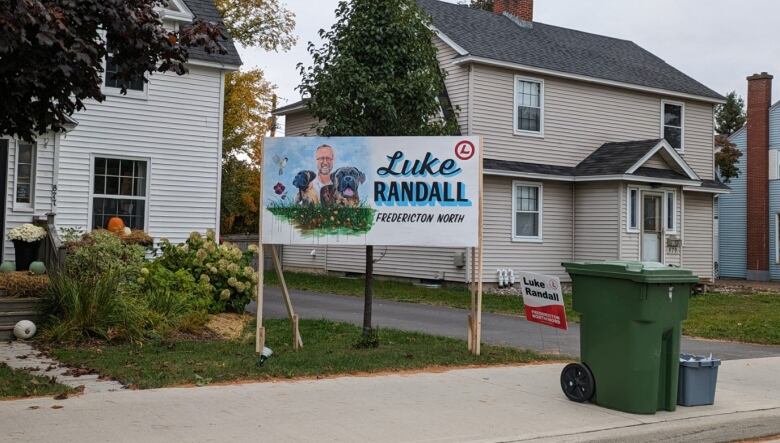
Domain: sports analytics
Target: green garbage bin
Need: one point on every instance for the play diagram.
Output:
(631, 315)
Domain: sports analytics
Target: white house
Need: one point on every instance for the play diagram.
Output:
(151, 157)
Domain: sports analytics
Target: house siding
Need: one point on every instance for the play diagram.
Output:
(44, 176)
(698, 234)
(774, 127)
(177, 129)
(456, 81)
(596, 221)
(300, 124)
(732, 220)
(578, 118)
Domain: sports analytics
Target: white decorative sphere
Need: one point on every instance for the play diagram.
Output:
(24, 329)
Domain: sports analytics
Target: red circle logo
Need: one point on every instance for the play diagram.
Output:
(464, 150)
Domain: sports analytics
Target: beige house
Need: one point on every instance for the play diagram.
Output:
(595, 149)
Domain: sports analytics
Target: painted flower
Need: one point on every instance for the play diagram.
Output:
(279, 188)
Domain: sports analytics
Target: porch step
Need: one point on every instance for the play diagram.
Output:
(12, 318)
(6, 333)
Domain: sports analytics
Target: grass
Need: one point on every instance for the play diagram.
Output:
(449, 296)
(318, 220)
(328, 350)
(753, 318)
(16, 383)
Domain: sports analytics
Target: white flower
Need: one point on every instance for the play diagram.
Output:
(27, 233)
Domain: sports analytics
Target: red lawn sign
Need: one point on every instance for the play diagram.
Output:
(543, 299)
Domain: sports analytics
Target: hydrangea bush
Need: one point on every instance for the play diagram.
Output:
(27, 233)
(224, 269)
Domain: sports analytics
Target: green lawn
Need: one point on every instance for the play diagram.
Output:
(16, 383)
(450, 296)
(751, 318)
(328, 350)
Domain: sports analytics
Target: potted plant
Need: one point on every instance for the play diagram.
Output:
(27, 239)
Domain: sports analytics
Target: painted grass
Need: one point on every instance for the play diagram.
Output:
(328, 351)
(753, 318)
(15, 383)
(449, 296)
(317, 220)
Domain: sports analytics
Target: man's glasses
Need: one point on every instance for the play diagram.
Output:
(322, 159)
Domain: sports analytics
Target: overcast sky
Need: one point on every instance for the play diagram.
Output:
(717, 42)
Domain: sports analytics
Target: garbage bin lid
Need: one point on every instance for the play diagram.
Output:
(641, 272)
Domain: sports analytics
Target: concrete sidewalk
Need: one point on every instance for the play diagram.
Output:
(506, 330)
(490, 405)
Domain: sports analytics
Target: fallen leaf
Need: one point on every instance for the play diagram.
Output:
(57, 407)
(34, 407)
(63, 396)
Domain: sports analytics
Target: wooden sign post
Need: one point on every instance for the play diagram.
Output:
(477, 257)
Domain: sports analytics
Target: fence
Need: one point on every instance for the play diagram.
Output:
(244, 240)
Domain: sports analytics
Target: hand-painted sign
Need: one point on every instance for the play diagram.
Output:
(405, 191)
(543, 299)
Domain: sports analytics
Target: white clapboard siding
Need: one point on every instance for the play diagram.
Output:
(657, 161)
(697, 241)
(578, 118)
(44, 167)
(300, 124)
(543, 257)
(299, 257)
(456, 81)
(596, 221)
(176, 129)
(397, 261)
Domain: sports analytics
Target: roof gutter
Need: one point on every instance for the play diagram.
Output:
(509, 65)
(689, 184)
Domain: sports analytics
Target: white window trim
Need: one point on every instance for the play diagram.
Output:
(536, 239)
(777, 243)
(116, 92)
(25, 207)
(682, 116)
(629, 228)
(92, 194)
(667, 230)
(540, 133)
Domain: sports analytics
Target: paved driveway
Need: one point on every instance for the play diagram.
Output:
(496, 329)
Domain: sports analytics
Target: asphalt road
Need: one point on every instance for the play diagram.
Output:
(497, 329)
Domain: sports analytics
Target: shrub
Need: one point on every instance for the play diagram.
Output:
(23, 284)
(80, 309)
(224, 269)
(99, 252)
(171, 296)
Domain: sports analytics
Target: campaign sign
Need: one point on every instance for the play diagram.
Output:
(543, 299)
(402, 191)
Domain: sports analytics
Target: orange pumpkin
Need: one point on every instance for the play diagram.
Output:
(116, 225)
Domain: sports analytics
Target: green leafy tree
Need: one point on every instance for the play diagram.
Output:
(730, 116)
(240, 196)
(263, 23)
(377, 75)
(52, 52)
(726, 157)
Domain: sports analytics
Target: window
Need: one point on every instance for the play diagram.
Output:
(134, 87)
(527, 212)
(24, 191)
(671, 211)
(673, 116)
(119, 190)
(529, 106)
(632, 210)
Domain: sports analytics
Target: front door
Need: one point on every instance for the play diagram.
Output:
(652, 229)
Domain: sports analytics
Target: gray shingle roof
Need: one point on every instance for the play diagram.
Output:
(528, 168)
(615, 158)
(205, 10)
(488, 35)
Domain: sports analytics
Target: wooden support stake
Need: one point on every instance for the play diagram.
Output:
(297, 341)
(480, 259)
(470, 328)
(260, 331)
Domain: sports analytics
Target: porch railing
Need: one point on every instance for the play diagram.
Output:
(53, 249)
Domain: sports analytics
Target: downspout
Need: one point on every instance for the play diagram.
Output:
(219, 151)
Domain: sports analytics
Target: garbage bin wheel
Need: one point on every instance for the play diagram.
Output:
(577, 382)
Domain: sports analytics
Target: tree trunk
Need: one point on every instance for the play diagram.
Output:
(369, 292)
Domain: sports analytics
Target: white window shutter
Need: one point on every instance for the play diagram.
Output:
(773, 165)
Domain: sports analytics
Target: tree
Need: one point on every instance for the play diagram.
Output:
(240, 196)
(249, 100)
(377, 75)
(262, 23)
(51, 55)
(726, 157)
(486, 5)
(730, 116)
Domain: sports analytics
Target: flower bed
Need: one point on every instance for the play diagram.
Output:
(22, 284)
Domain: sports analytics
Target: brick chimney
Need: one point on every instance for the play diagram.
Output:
(522, 9)
(759, 102)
